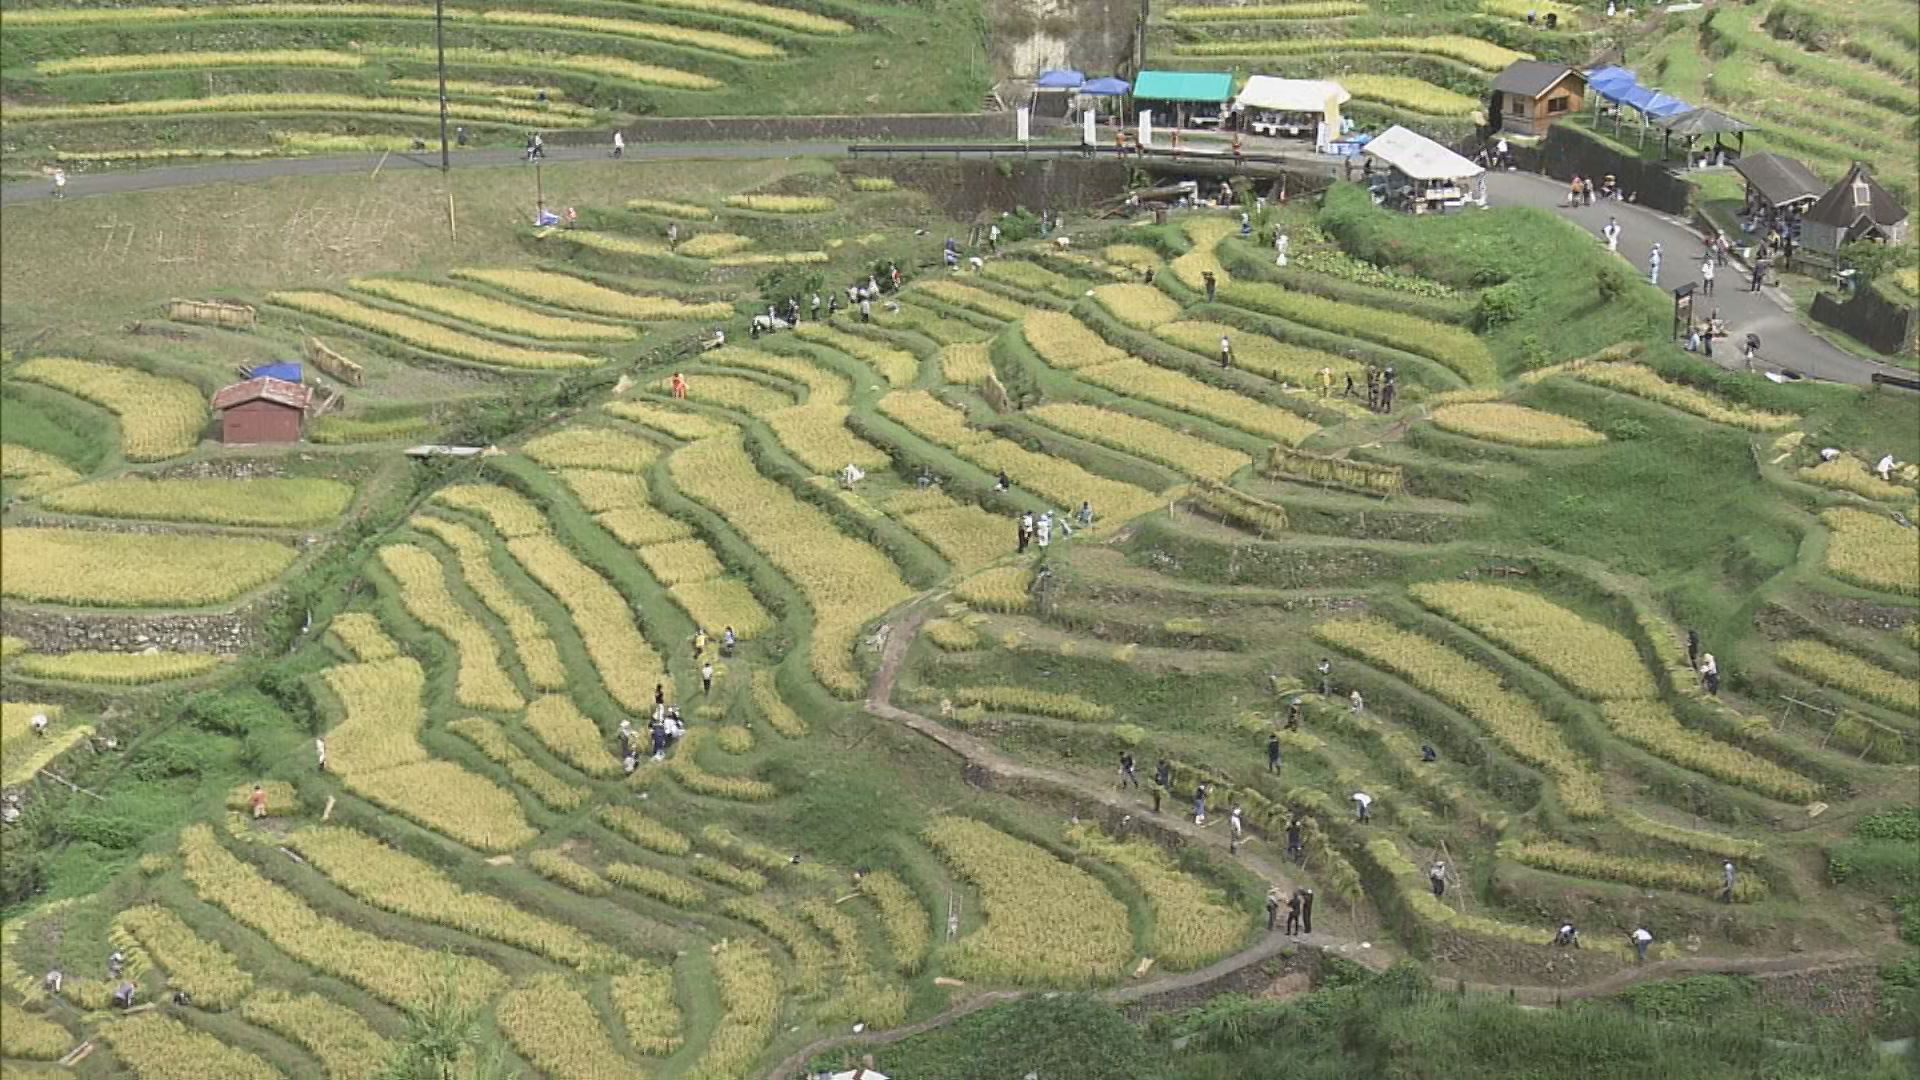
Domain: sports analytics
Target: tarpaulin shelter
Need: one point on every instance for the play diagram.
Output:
(1274, 106)
(1434, 175)
(1192, 96)
(1107, 87)
(285, 372)
(1059, 79)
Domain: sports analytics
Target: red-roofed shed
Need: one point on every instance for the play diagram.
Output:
(262, 411)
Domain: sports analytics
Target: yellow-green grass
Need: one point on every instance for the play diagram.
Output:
(39, 472)
(1416, 95)
(617, 68)
(117, 669)
(22, 753)
(556, 1027)
(897, 366)
(599, 448)
(529, 633)
(1633, 870)
(1140, 306)
(732, 392)
(824, 385)
(670, 208)
(643, 830)
(572, 737)
(845, 581)
(397, 973)
(750, 999)
(781, 204)
(680, 561)
(490, 313)
(1846, 672)
(11, 646)
(1193, 922)
(973, 299)
(687, 772)
(506, 510)
(723, 602)
(771, 258)
(1045, 922)
(1652, 726)
(159, 417)
(680, 425)
(662, 886)
(289, 104)
(30, 1036)
(1451, 346)
(901, 916)
(617, 243)
(966, 364)
(430, 337)
(492, 741)
(713, 245)
(602, 489)
(361, 634)
(1156, 442)
(1031, 276)
(481, 680)
(1872, 551)
(578, 294)
(99, 569)
(115, 63)
(1850, 474)
(1133, 256)
(1644, 382)
(817, 434)
(204, 970)
(1025, 699)
(1473, 52)
(1515, 425)
(1002, 588)
(627, 665)
(1137, 378)
(267, 501)
(965, 535)
(1514, 722)
(157, 1047)
(1067, 343)
(1305, 9)
(341, 1038)
(1596, 662)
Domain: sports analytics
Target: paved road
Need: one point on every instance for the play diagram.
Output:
(1784, 341)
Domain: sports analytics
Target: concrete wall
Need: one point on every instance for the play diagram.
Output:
(1026, 37)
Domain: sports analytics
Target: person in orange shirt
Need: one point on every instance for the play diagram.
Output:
(679, 385)
(1239, 145)
(258, 801)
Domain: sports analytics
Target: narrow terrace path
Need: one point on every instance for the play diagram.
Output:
(977, 754)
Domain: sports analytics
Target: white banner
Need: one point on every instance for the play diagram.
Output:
(1087, 134)
(1020, 124)
(1146, 128)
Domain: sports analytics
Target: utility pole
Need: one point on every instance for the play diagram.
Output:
(440, 46)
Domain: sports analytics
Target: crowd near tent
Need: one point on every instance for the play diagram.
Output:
(1293, 107)
(1778, 183)
(1856, 208)
(1531, 94)
(1423, 174)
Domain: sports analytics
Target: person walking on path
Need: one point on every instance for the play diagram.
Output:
(1295, 848)
(1213, 284)
(1043, 532)
(1437, 879)
(1236, 830)
(1127, 774)
(1293, 715)
(1706, 275)
(1326, 676)
(1693, 648)
(1273, 753)
(1086, 513)
(1362, 807)
(59, 183)
(320, 751)
(1200, 804)
(1226, 350)
(1759, 276)
(1306, 911)
(1710, 674)
(1653, 264)
(706, 679)
(619, 144)
(1610, 232)
(1326, 382)
(699, 642)
(1726, 882)
(1025, 526)
(1163, 774)
(1273, 907)
(1293, 913)
(1641, 938)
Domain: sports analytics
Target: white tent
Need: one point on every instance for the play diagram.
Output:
(1420, 157)
(1293, 95)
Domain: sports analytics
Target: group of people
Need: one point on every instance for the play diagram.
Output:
(1038, 531)
(1382, 386)
(1582, 191)
(1299, 907)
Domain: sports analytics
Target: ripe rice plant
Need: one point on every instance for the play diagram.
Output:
(658, 884)
(1452, 347)
(293, 103)
(952, 635)
(159, 417)
(1065, 342)
(812, 962)
(1871, 551)
(725, 873)
(489, 313)
(1726, 847)
(817, 435)
(528, 630)
(681, 560)
(823, 384)
(643, 996)
(1412, 887)
(1238, 508)
(773, 709)
(1031, 276)
(396, 973)
(1844, 671)
(1513, 721)
(713, 245)
(1026, 700)
(11, 646)
(940, 328)
(158, 1047)
(393, 881)
(731, 44)
(1140, 306)
(909, 932)
(749, 1002)
(592, 448)
(1193, 922)
(1416, 95)
(99, 569)
(722, 602)
(1006, 589)
(430, 337)
(973, 299)
(22, 754)
(771, 258)
(874, 183)
(1134, 257)
(1850, 474)
(1473, 52)
(31, 1036)
(1651, 726)
(376, 752)
(42, 472)
(557, 1029)
(1633, 870)
(722, 839)
(573, 738)
(1305, 9)
(616, 243)
(603, 67)
(864, 996)
(339, 430)
(270, 501)
(1155, 442)
(578, 294)
(1515, 425)
(1047, 923)
(781, 204)
(602, 489)
(897, 366)
(117, 669)
(932, 419)
(1258, 353)
(543, 785)
(1137, 378)
(1594, 661)
(481, 682)
(282, 799)
(115, 63)
(343, 1041)
(638, 526)
(627, 665)
(1643, 382)
(732, 392)
(688, 773)
(643, 830)
(669, 208)
(201, 968)
(846, 582)
(965, 535)
(680, 425)
(967, 364)
(556, 867)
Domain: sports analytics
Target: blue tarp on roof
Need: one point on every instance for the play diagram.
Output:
(1212, 87)
(283, 372)
(1610, 76)
(1636, 96)
(1062, 79)
(1107, 87)
(1663, 105)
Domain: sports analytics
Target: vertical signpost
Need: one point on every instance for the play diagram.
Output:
(1022, 124)
(1146, 128)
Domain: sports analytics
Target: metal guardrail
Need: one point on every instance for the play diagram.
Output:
(1881, 378)
(1154, 154)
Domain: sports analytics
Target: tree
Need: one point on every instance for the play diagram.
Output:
(444, 1040)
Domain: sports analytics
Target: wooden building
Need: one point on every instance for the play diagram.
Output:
(1531, 94)
(262, 411)
(1856, 208)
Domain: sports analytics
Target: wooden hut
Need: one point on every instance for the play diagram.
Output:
(1856, 208)
(262, 411)
(1531, 94)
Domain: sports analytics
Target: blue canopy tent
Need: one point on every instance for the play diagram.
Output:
(285, 372)
(1107, 87)
(1060, 79)
(1608, 81)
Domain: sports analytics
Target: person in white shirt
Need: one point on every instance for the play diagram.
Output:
(1281, 242)
(59, 183)
(39, 723)
(1885, 467)
(1043, 532)
(1359, 703)
(619, 144)
(1226, 351)
(1610, 232)
(1363, 807)
(1706, 275)
(1710, 674)
(706, 677)
(320, 751)
(1641, 939)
